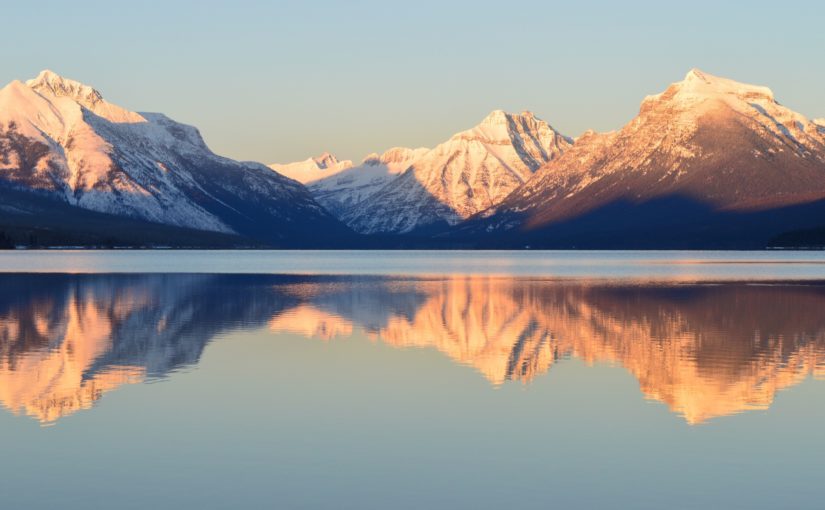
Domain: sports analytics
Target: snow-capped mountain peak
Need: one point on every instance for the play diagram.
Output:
(495, 117)
(534, 141)
(371, 159)
(473, 170)
(312, 169)
(498, 127)
(501, 117)
(63, 87)
(397, 159)
(60, 138)
(711, 142)
(700, 87)
(702, 96)
(341, 191)
(326, 160)
(701, 83)
(52, 85)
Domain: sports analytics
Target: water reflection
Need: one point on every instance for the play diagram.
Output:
(703, 350)
(65, 340)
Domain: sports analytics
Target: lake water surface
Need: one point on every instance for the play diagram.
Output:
(412, 379)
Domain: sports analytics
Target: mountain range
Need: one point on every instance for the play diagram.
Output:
(74, 166)
(472, 171)
(708, 163)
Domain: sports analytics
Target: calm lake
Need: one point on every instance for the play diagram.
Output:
(361, 380)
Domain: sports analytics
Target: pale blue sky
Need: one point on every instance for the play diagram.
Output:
(280, 81)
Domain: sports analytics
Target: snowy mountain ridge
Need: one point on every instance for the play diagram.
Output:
(343, 190)
(62, 139)
(407, 189)
(312, 169)
(706, 153)
(472, 171)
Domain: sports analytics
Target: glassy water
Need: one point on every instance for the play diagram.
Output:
(643, 265)
(644, 387)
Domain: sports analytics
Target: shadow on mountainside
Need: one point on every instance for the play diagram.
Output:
(37, 219)
(670, 222)
(262, 207)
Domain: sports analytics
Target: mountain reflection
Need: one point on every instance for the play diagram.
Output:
(65, 340)
(703, 350)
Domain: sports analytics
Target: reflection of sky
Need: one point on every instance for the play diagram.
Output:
(279, 421)
(362, 392)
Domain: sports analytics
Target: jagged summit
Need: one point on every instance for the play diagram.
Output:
(52, 85)
(500, 116)
(495, 117)
(312, 169)
(698, 81)
(326, 160)
(60, 86)
(701, 87)
(393, 157)
(499, 126)
(401, 156)
(371, 159)
(704, 83)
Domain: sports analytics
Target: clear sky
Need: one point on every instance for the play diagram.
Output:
(280, 81)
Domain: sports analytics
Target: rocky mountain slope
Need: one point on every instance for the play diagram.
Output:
(472, 171)
(61, 141)
(344, 190)
(708, 162)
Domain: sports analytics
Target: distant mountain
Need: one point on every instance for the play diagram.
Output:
(72, 152)
(707, 163)
(312, 169)
(344, 190)
(473, 170)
